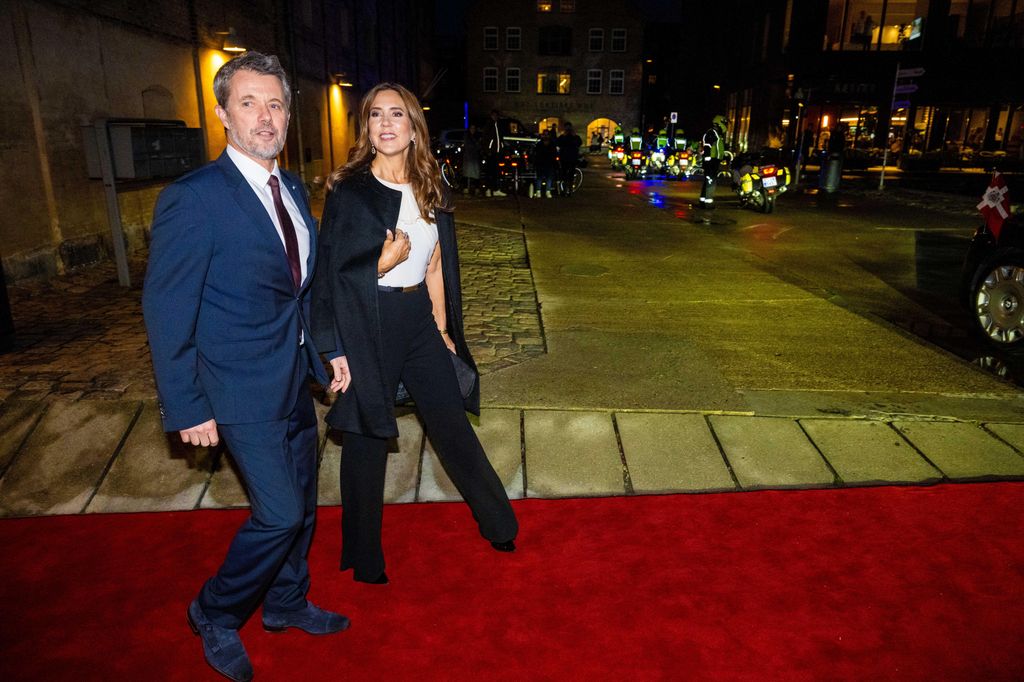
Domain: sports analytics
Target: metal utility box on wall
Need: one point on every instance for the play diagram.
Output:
(146, 150)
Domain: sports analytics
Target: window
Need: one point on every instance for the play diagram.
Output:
(567, 6)
(553, 83)
(616, 82)
(545, 6)
(490, 37)
(513, 38)
(597, 40)
(490, 79)
(512, 79)
(554, 40)
(618, 40)
(594, 77)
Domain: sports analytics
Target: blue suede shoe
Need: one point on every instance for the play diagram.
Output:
(311, 619)
(221, 646)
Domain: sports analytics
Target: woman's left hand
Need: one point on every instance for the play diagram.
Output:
(448, 342)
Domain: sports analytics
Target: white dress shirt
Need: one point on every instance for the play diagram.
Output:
(258, 178)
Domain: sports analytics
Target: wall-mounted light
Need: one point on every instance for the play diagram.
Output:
(426, 108)
(231, 41)
(341, 80)
(716, 86)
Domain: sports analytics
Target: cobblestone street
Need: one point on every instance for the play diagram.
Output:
(81, 336)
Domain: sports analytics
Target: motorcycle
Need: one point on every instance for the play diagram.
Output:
(635, 165)
(617, 155)
(758, 185)
(678, 162)
(657, 161)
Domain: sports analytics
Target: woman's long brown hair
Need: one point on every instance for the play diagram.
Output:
(421, 168)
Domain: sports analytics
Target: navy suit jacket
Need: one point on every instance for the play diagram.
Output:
(221, 311)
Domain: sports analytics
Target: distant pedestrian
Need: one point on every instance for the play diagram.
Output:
(225, 307)
(471, 159)
(545, 160)
(494, 148)
(568, 144)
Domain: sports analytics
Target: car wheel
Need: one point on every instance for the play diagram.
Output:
(997, 298)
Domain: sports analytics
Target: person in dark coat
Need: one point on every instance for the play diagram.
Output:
(545, 160)
(387, 291)
(568, 156)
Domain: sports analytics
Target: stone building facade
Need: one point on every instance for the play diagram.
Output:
(547, 62)
(68, 63)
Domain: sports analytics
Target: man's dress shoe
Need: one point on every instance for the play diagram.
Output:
(381, 579)
(508, 546)
(222, 646)
(312, 619)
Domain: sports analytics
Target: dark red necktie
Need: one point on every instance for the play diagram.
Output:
(291, 243)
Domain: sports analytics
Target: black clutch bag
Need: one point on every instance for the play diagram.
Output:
(465, 374)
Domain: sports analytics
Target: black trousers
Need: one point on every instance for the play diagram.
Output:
(707, 190)
(415, 354)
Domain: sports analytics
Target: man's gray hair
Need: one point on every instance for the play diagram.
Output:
(265, 64)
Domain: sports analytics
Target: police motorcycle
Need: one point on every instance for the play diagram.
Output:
(758, 183)
(635, 164)
(617, 156)
(447, 148)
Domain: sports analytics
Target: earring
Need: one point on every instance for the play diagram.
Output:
(373, 150)
(412, 141)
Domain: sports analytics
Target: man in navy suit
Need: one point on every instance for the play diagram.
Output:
(231, 257)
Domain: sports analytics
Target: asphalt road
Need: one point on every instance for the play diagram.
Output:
(649, 302)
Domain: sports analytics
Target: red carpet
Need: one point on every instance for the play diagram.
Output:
(858, 584)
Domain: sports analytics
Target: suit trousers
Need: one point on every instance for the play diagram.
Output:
(277, 462)
(415, 354)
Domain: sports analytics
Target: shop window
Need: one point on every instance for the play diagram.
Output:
(876, 24)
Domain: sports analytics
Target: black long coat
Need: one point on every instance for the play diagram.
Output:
(357, 215)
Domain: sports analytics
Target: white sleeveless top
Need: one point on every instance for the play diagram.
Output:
(422, 238)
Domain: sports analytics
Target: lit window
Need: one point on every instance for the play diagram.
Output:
(545, 6)
(552, 83)
(513, 38)
(490, 37)
(512, 79)
(594, 77)
(616, 82)
(618, 40)
(597, 40)
(490, 79)
(567, 6)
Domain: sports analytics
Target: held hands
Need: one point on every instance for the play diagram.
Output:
(395, 250)
(342, 377)
(204, 434)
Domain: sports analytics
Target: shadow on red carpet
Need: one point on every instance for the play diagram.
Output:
(855, 584)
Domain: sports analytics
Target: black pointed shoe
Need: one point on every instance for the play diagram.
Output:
(507, 546)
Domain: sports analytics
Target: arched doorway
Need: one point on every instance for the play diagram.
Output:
(548, 123)
(603, 127)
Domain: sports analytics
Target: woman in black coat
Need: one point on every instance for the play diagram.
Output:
(387, 309)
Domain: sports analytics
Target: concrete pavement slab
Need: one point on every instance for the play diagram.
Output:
(770, 452)
(1008, 406)
(498, 432)
(1011, 433)
(571, 454)
(868, 452)
(153, 472)
(672, 453)
(225, 488)
(16, 421)
(403, 470)
(963, 451)
(62, 461)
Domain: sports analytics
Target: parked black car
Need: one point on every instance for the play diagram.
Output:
(993, 283)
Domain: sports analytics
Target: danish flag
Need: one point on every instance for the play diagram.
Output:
(995, 204)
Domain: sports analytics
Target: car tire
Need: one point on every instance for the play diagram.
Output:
(997, 299)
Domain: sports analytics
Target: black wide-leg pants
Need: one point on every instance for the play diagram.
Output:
(415, 354)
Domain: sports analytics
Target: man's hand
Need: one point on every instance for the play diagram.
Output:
(204, 434)
(342, 377)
